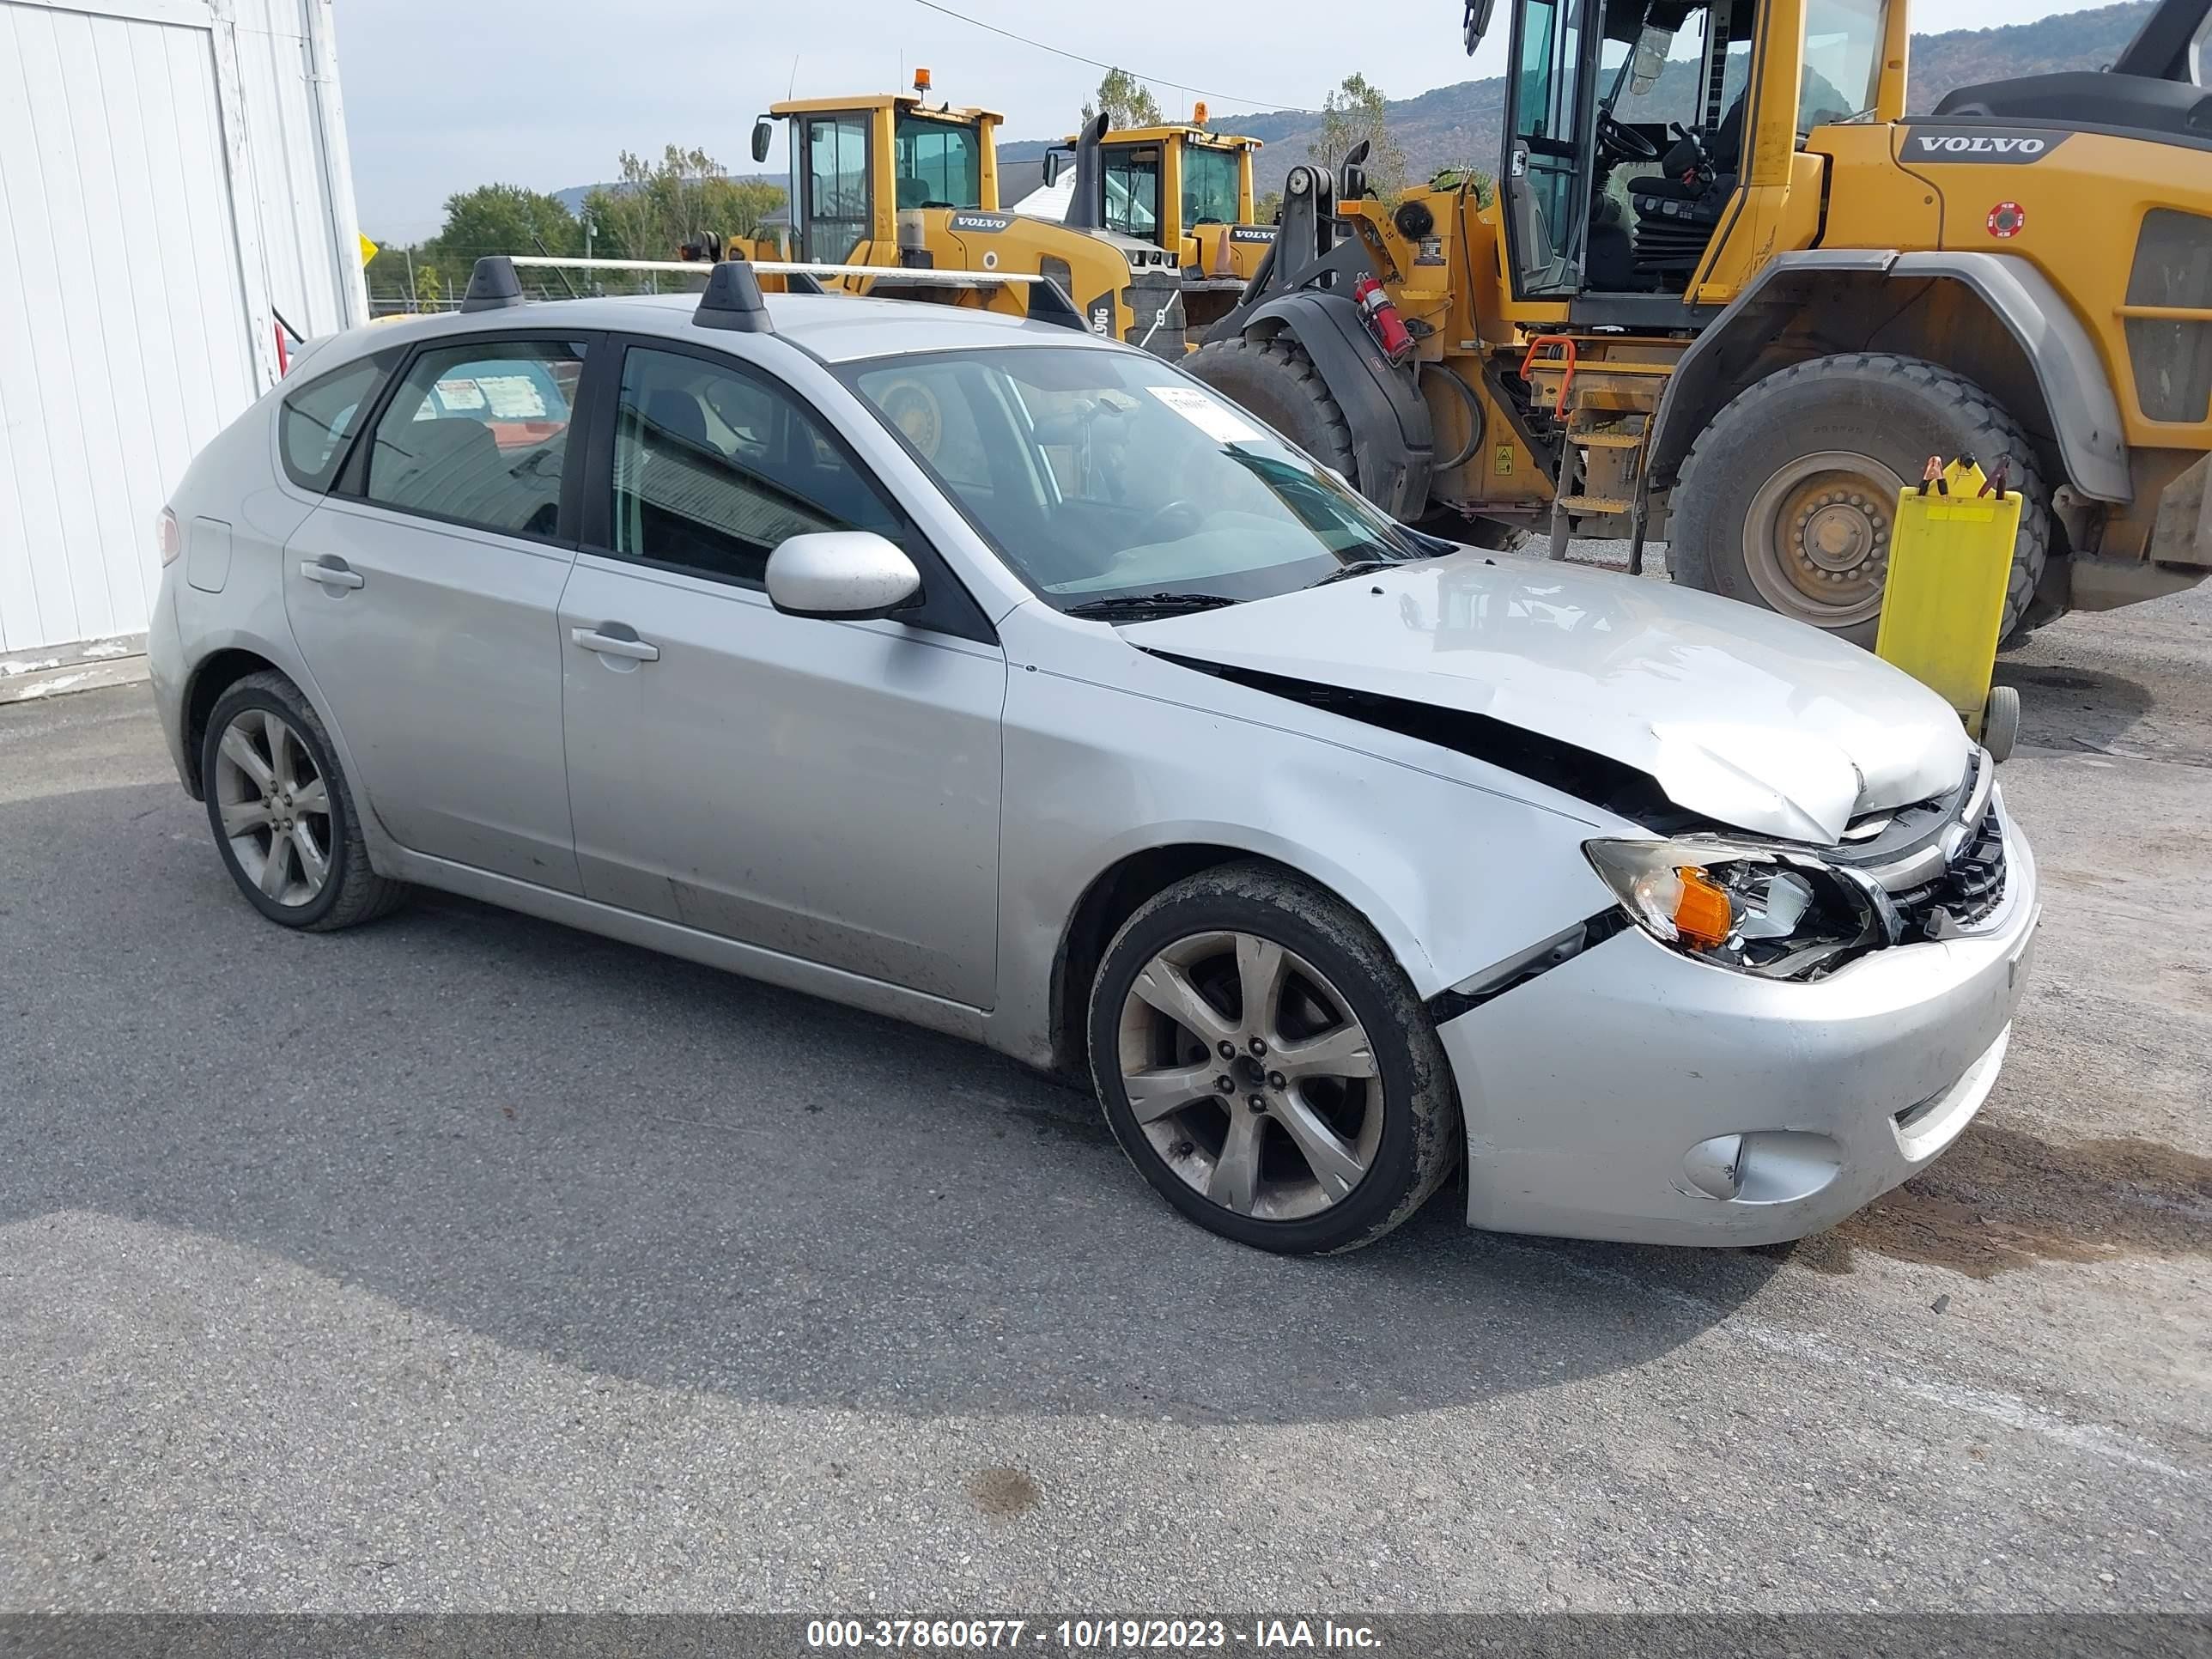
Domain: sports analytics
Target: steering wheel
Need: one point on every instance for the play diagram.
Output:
(1622, 141)
(1157, 525)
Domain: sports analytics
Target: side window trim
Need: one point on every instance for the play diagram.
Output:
(352, 482)
(947, 608)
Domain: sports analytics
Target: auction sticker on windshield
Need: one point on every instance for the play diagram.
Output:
(1209, 415)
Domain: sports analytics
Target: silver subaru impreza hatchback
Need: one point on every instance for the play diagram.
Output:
(1008, 681)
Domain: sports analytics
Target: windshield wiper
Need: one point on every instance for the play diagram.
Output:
(1148, 604)
(1357, 568)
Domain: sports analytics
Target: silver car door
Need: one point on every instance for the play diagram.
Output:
(424, 604)
(829, 790)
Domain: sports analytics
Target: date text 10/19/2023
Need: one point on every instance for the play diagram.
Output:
(1088, 1634)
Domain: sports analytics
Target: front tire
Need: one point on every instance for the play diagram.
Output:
(1276, 381)
(283, 819)
(1264, 1062)
(1789, 497)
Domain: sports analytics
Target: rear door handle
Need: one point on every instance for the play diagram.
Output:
(624, 644)
(330, 572)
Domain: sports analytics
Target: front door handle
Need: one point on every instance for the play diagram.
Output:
(330, 572)
(624, 644)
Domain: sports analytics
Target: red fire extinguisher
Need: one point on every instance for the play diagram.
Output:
(1382, 320)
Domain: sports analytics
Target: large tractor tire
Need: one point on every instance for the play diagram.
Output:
(1788, 499)
(1276, 381)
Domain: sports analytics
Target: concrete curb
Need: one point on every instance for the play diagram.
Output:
(55, 670)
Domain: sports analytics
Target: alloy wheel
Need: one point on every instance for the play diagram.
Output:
(1250, 1076)
(274, 807)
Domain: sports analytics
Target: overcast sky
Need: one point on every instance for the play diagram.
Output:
(441, 97)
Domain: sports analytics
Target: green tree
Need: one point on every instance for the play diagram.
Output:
(656, 207)
(506, 219)
(1268, 208)
(1127, 101)
(1358, 110)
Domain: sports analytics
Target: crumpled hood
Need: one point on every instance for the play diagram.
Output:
(1741, 715)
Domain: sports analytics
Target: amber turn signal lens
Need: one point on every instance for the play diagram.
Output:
(1702, 915)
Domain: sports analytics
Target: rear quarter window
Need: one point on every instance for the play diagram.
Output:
(315, 423)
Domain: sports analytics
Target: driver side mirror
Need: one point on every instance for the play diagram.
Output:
(846, 576)
(1478, 23)
(763, 136)
(1051, 168)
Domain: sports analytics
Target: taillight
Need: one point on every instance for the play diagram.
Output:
(167, 536)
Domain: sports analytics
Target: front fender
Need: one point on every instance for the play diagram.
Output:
(2081, 410)
(1391, 437)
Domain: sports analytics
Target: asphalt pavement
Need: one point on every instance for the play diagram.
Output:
(466, 1262)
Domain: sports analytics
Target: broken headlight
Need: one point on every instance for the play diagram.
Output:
(1756, 910)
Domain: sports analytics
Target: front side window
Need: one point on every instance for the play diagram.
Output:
(715, 467)
(938, 163)
(1209, 186)
(1132, 191)
(1843, 61)
(316, 421)
(836, 166)
(1106, 474)
(478, 434)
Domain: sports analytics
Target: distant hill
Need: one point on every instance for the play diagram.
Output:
(1460, 125)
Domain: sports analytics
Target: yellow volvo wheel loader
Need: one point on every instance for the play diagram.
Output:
(1730, 294)
(885, 180)
(1183, 188)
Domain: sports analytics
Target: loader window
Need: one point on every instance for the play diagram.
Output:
(836, 170)
(1843, 61)
(1132, 191)
(939, 163)
(1544, 157)
(1209, 186)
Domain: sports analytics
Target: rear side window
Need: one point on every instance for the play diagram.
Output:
(478, 434)
(318, 419)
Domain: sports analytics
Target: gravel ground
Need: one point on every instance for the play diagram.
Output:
(467, 1262)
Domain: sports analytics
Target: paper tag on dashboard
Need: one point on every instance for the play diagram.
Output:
(1208, 414)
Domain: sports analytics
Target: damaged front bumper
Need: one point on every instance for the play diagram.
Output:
(1632, 1093)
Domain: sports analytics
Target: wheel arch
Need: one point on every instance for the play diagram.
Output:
(1115, 894)
(1991, 318)
(1392, 437)
(214, 674)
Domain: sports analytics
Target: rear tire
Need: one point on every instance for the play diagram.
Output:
(1786, 498)
(1277, 381)
(284, 818)
(1357, 1121)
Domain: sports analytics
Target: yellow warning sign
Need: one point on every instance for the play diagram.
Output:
(1501, 459)
(367, 249)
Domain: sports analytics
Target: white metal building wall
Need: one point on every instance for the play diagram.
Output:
(173, 175)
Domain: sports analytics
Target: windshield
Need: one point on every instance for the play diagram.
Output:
(1209, 186)
(1843, 61)
(1100, 475)
(938, 163)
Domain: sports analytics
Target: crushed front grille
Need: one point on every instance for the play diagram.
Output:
(1966, 894)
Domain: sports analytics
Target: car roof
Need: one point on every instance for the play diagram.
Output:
(834, 327)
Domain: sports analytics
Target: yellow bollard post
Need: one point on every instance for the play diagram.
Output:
(1943, 608)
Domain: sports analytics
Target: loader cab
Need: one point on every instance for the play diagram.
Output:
(857, 163)
(1183, 188)
(1636, 128)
